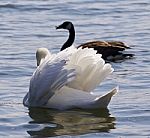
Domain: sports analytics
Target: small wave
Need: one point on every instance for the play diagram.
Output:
(9, 103)
(8, 5)
(22, 7)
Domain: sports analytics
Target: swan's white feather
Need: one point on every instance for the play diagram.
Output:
(65, 80)
(91, 69)
(67, 98)
(48, 78)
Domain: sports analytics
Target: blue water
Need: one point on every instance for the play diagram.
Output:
(26, 25)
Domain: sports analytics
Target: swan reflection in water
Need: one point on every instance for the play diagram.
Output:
(47, 123)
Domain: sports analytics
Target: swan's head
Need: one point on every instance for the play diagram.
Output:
(41, 54)
(65, 25)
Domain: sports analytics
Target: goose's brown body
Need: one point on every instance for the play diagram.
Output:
(107, 48)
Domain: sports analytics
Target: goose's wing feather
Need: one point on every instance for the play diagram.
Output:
(50, 76)
(119, 44)
(116, 45)
(93, 44)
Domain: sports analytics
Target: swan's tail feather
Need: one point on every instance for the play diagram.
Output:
(103, 101)
(91, 69)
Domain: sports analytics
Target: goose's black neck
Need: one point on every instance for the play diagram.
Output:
(70, 40)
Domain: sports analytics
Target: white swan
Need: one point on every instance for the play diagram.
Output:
(66, 80)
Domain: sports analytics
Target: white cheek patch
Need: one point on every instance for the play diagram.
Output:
(68, 26)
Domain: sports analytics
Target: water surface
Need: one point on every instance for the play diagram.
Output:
(29, 24)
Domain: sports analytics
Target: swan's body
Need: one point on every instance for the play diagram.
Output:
(110, 50)
(66, 80)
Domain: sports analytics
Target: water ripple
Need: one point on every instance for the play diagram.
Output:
(28, 24)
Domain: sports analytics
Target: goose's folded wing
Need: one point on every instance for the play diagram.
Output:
(50, 76)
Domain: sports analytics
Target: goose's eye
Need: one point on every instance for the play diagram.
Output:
(68, 26)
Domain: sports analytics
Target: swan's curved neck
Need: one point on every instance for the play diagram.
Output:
(70, 40)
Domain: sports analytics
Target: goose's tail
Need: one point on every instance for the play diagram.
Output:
(103, 101)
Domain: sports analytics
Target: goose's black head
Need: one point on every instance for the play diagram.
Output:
(65, 25)
(68, 26)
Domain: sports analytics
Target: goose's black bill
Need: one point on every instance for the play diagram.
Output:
(59, 27)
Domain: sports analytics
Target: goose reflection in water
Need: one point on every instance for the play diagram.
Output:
(50, 123)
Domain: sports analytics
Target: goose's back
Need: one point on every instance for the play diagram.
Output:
(106, 48)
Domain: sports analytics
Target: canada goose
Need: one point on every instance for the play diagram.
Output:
(65, 80)
(110, 50)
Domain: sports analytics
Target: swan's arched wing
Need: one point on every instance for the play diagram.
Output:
(50, 76)
(90, 67)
